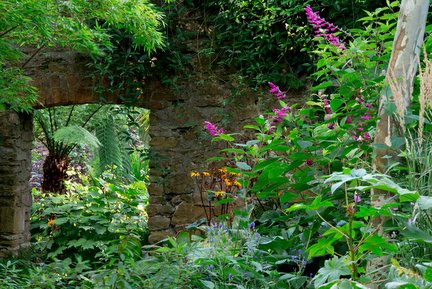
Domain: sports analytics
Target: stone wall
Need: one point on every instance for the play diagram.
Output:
(179, 142)
(16, 133)
(181, 145)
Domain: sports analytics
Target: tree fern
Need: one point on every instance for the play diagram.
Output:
(110, 149)
(76, 135)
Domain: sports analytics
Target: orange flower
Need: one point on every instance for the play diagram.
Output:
(220, 194)
(206, 174)
(195, 174)
(51, 222)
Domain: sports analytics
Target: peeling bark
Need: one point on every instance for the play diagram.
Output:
(400, 76)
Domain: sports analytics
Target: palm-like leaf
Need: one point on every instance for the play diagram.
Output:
(76, 135)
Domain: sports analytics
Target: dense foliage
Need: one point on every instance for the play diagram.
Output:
(261, 40)
(85, 26)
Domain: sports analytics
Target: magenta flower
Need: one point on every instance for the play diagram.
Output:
(357, 198)
(327, 108)
(309, 162)
(213, 129)
(279, 114)
(366, 117)
(349, 120)
(323, 28)
(274, 89)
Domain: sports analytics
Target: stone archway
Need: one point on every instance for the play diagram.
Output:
(178, 142)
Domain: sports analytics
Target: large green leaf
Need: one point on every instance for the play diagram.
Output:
(76, 135)
(333, 269)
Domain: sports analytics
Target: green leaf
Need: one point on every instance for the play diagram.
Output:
(377, 245)
(225, 201)
(252, 142)
(425, 202)
(428, 274)
(264, 164)
(71, 135)
(287, 197)
(208, 284)
(318, 203)
(321, 86)
(215, 159)
(243, 166)
(323, 247)
(183, 238)
(225, 137)
(296, 207)
(333, 269)
(249, 126)
(335, 104)
(400, 285)
(415, 234)
(304, 144)
(233, 150)
(277, 244)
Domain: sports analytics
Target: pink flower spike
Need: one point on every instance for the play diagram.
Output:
(320, 24)
(275, 90)
(213, 129)
(366, 117)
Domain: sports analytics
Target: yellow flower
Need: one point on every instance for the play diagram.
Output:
(206, 174)
(236, 183)
(228, 182)
(220, 194)
(51, 222)
(195, 174)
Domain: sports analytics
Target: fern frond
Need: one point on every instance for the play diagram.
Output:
(76, 135)
(109, 151)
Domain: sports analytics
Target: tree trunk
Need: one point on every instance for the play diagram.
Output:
(54, 173)
(400, 76)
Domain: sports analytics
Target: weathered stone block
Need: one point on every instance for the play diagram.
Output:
(160, 209)
(7, 201)
(157, 199)
(7, 190)
(12, 220)
(156, 236)
(187, 213)
(164, 142)
(155, 189)
(157, 223)
(180, 183)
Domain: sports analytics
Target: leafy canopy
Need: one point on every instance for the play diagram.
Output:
(76, 24)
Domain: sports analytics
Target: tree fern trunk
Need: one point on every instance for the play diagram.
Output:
(54, 173)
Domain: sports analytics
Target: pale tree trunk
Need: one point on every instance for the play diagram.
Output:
(400, 76)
